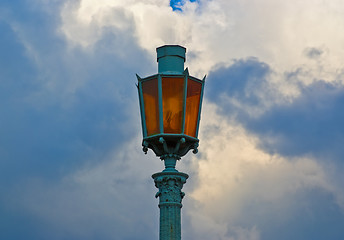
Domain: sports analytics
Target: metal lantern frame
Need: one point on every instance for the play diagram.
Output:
(168, 144)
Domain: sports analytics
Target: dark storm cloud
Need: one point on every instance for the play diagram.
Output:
(314, 214)
(61, 104)
(241, 81)
(311, 124)
(60, 108)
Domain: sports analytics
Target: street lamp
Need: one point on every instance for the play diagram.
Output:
(170, 104)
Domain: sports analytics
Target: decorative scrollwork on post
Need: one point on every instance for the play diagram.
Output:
(170, 187)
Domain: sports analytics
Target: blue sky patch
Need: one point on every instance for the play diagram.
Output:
(177, 4)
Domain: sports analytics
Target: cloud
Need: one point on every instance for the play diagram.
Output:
(313, 52)
(242, 186)
(299, 137)
(269, 160)
(310, 125)
(99, 200)
(216, 31)
(59, 100)
(241, 85)
(65, 110)
(307, 123)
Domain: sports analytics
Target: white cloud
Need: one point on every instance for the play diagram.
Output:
(277, 32)
(239, 183)
(100, 199)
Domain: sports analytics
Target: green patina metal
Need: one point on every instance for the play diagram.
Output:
(171, 59)
(170, 147)
(200, 106)
(170, 203)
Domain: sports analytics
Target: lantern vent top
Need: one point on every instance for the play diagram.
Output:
(171, 59)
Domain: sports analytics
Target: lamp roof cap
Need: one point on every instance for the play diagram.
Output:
(171, 50)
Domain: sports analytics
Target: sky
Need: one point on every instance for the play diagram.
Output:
(270, 159)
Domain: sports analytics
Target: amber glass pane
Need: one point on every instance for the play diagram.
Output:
(172, 104)
(150, 99)
(192, 107)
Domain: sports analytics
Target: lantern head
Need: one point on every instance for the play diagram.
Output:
(170, 104)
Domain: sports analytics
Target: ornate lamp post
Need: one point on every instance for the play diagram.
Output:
(170, 104)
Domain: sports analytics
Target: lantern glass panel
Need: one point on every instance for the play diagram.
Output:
(172, 104)
(192, 107)
(151, 105)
